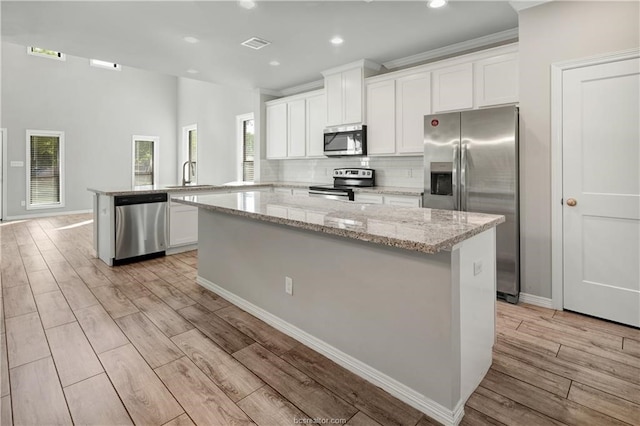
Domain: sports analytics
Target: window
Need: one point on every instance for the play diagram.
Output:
(145, 161)
(45, 172)
(190, 153)
(45, 53)
(246, 134)
(104, 64)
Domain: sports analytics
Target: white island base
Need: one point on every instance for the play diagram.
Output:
(420, 326)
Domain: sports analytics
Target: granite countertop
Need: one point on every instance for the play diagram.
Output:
(241, 186)
(416, 229)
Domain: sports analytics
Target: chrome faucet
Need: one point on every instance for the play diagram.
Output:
(190, 168)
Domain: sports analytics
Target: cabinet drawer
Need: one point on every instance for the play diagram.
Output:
(402, 201)
(300, 192)
(368, 198)
(282, 191)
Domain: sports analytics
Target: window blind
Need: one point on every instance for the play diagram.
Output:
(247, 150)
(44, 170)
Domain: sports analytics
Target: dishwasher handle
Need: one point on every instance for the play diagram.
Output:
(128, 200)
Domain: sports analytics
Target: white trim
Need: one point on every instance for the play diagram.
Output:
(523, 4)
(269, 92)
(156, 158)
(60, 136)
(106, 65)
(240, 119)
(395, 388)
(49, 214)
(184, 150)
(532, 299)
(313, 85)
(3, 166)
(557, 282)
(476, 43)
(62, 56)
(362, 63)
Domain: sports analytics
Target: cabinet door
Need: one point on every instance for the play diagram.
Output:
(413, 102)
(352, 81)
(402, 201)
(316, 122)
(453, 88)
(381, 117)
(333, 91)
(297, 133)
(277, 131)
(497, 80)
(183, 225)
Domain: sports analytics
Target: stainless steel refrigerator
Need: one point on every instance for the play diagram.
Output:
(471, 164)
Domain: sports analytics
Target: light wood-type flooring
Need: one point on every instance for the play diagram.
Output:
(85, 343)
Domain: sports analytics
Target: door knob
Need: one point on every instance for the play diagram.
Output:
(571, 202)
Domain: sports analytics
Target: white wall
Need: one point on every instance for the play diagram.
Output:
(554, 32)
(213, 108)
(99, 110)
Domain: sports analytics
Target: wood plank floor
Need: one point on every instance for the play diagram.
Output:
(84, 343)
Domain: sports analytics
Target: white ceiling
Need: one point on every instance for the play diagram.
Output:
(149, 34)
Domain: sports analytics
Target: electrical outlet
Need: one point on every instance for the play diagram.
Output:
(288, 286)
(409, 173)
(477, 267)
(22, 203)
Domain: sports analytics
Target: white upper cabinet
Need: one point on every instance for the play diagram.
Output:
(297, 134)
(344, 88)
(295, 126)
(316, 122)
(413, 94)
(497, 80)
(277, 131)
(453, 88)
(333, 89)
(381, 117)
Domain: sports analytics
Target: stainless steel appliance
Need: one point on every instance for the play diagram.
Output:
(141, 227)
(345, 140)
(344, 180)
(471, 164)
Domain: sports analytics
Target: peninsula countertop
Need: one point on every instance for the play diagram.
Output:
(417, 229)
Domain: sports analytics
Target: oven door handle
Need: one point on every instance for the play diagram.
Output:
(329, 195)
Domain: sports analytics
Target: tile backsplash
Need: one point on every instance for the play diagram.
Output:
(390, 171)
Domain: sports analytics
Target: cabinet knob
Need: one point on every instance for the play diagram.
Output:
(571, 202)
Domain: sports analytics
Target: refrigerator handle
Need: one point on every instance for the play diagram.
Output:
(454, 177)
(463, 180)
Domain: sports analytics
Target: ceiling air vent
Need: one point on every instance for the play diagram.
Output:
(256, 43)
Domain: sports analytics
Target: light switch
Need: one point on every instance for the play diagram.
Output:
(477, 267)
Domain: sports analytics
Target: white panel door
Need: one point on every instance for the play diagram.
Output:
(316, 122)
(277, 131)
(601, 174)
(453, 88)
(333, 91)
(413, 103)
(352, 98)
(297, 130)
(381, 118)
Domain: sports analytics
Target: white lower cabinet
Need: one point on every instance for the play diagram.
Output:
(300, 192)
(287, 191)
(390, 200)
(183, 225)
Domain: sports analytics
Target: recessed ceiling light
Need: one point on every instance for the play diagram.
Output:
(191, 40)
(192, 71)
(247, 4)
(337, 40)
(436, 3)
(274, 63)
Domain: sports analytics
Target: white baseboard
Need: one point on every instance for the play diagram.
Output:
(531, 299)
(395, 388)
(48, 214)
(181, 249)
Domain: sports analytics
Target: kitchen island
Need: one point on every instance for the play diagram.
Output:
(404, 297)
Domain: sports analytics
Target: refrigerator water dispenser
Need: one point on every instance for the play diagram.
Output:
(441, 178)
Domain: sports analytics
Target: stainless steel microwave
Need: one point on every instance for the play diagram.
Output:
(345, 140)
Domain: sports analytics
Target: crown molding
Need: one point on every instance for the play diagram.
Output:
(362, 63)
(313, 85)
(525, 4)
(502, 36)
(270, 92)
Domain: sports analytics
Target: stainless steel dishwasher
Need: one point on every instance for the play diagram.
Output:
(141, 227)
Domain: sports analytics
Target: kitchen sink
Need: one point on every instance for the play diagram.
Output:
(186, 186)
